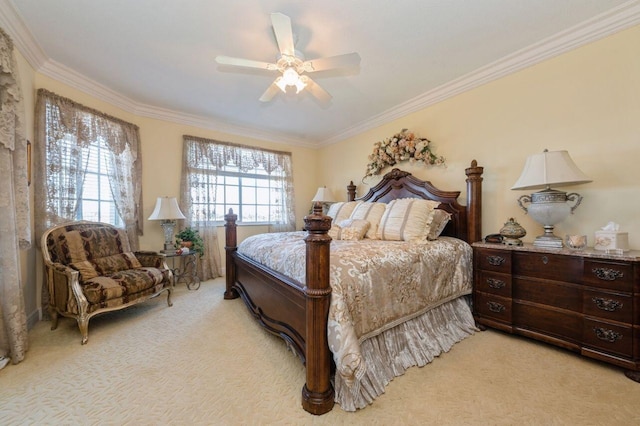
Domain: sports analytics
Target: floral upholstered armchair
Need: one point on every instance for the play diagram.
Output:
(90, 269)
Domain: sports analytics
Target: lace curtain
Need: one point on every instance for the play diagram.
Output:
(65, 130)
(14, 208)
(202, 159)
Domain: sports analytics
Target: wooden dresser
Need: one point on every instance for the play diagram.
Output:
(585, 301)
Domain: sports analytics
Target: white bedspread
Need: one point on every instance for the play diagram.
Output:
(376, 285)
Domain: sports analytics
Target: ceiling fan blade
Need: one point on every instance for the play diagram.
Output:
(318, 92)
(270, 92)
(284, 34)
(340, 61)
(240, 62)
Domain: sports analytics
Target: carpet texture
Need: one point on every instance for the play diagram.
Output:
(205, 361)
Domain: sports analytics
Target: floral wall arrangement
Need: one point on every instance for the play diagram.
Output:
(402, 146)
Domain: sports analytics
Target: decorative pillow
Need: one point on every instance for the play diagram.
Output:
(440, 220)
(106, 265)
(342, 210)
(371, 212)
(406, 219)
(350, 229)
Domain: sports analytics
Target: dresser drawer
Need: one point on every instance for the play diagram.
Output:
(494, 260)
(612, 306)
(494, 283)
(557, 294)
(609, 275)
(492, 306)
(547, 266)
(559, 323)
(612, 338)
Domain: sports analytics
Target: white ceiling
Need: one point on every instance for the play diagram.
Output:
(157, 57)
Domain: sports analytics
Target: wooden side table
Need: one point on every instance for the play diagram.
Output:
(184, 268)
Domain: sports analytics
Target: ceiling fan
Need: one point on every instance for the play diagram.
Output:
(292, 65)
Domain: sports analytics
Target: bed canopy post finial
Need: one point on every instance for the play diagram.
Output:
(474, 202)
(317, 393)
(351, 192)
(231, 243)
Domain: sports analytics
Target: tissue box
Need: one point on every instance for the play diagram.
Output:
(606, 240)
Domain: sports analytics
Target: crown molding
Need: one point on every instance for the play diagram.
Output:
(13, 24)
(596, 28)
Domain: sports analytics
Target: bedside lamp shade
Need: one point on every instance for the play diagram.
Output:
(323, 195)
(167, 211)
(550, 168)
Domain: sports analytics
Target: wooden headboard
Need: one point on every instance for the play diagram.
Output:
(465, 220)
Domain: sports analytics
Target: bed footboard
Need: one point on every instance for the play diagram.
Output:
(297, 314)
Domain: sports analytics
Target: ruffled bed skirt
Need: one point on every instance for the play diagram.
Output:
(415, 342)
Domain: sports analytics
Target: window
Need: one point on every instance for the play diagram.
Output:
(96, 202)
(255, 183)
(255, 196)
(88, 167)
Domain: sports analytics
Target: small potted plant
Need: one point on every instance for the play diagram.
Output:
(190, 238)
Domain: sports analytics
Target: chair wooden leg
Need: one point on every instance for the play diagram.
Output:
(54, 318)
(169, 291)
(83, 324)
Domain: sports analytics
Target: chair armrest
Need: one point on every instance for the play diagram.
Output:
(152, 259)
(64, 284)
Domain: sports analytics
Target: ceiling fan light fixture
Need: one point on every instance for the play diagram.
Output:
(290, 77)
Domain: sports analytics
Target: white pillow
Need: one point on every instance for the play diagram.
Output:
(342, 210)
(406, 219)
(371, 212)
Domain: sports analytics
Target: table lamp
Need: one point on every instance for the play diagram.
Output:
(323, 196)
(549, 206)
(167, 211)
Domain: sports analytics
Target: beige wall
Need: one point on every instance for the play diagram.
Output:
(586, 101)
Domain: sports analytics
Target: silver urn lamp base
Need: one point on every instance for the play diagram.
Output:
(549, 207)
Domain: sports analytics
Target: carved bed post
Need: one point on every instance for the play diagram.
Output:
(317, 393)
(474, 202)
(351, 192)
(231, 243)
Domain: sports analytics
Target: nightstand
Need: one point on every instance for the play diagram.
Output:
(186, 269)
(585, 301)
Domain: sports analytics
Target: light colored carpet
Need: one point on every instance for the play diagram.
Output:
(205, 361)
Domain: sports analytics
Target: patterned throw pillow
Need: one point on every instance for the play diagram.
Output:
(350, 229)
(440, 220)
(407, 219)
(107, 265)
(371, 212)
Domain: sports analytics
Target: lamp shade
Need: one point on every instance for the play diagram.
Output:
(166, 209)
(323, 195)
(550, 168)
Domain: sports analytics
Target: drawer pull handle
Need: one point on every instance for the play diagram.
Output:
(495, 283)
(496, 307)
(545, 259)
(609, 305)
(607, 335)
(607, 274)
(495, 260)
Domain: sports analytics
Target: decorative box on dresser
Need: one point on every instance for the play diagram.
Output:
(586, 301)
